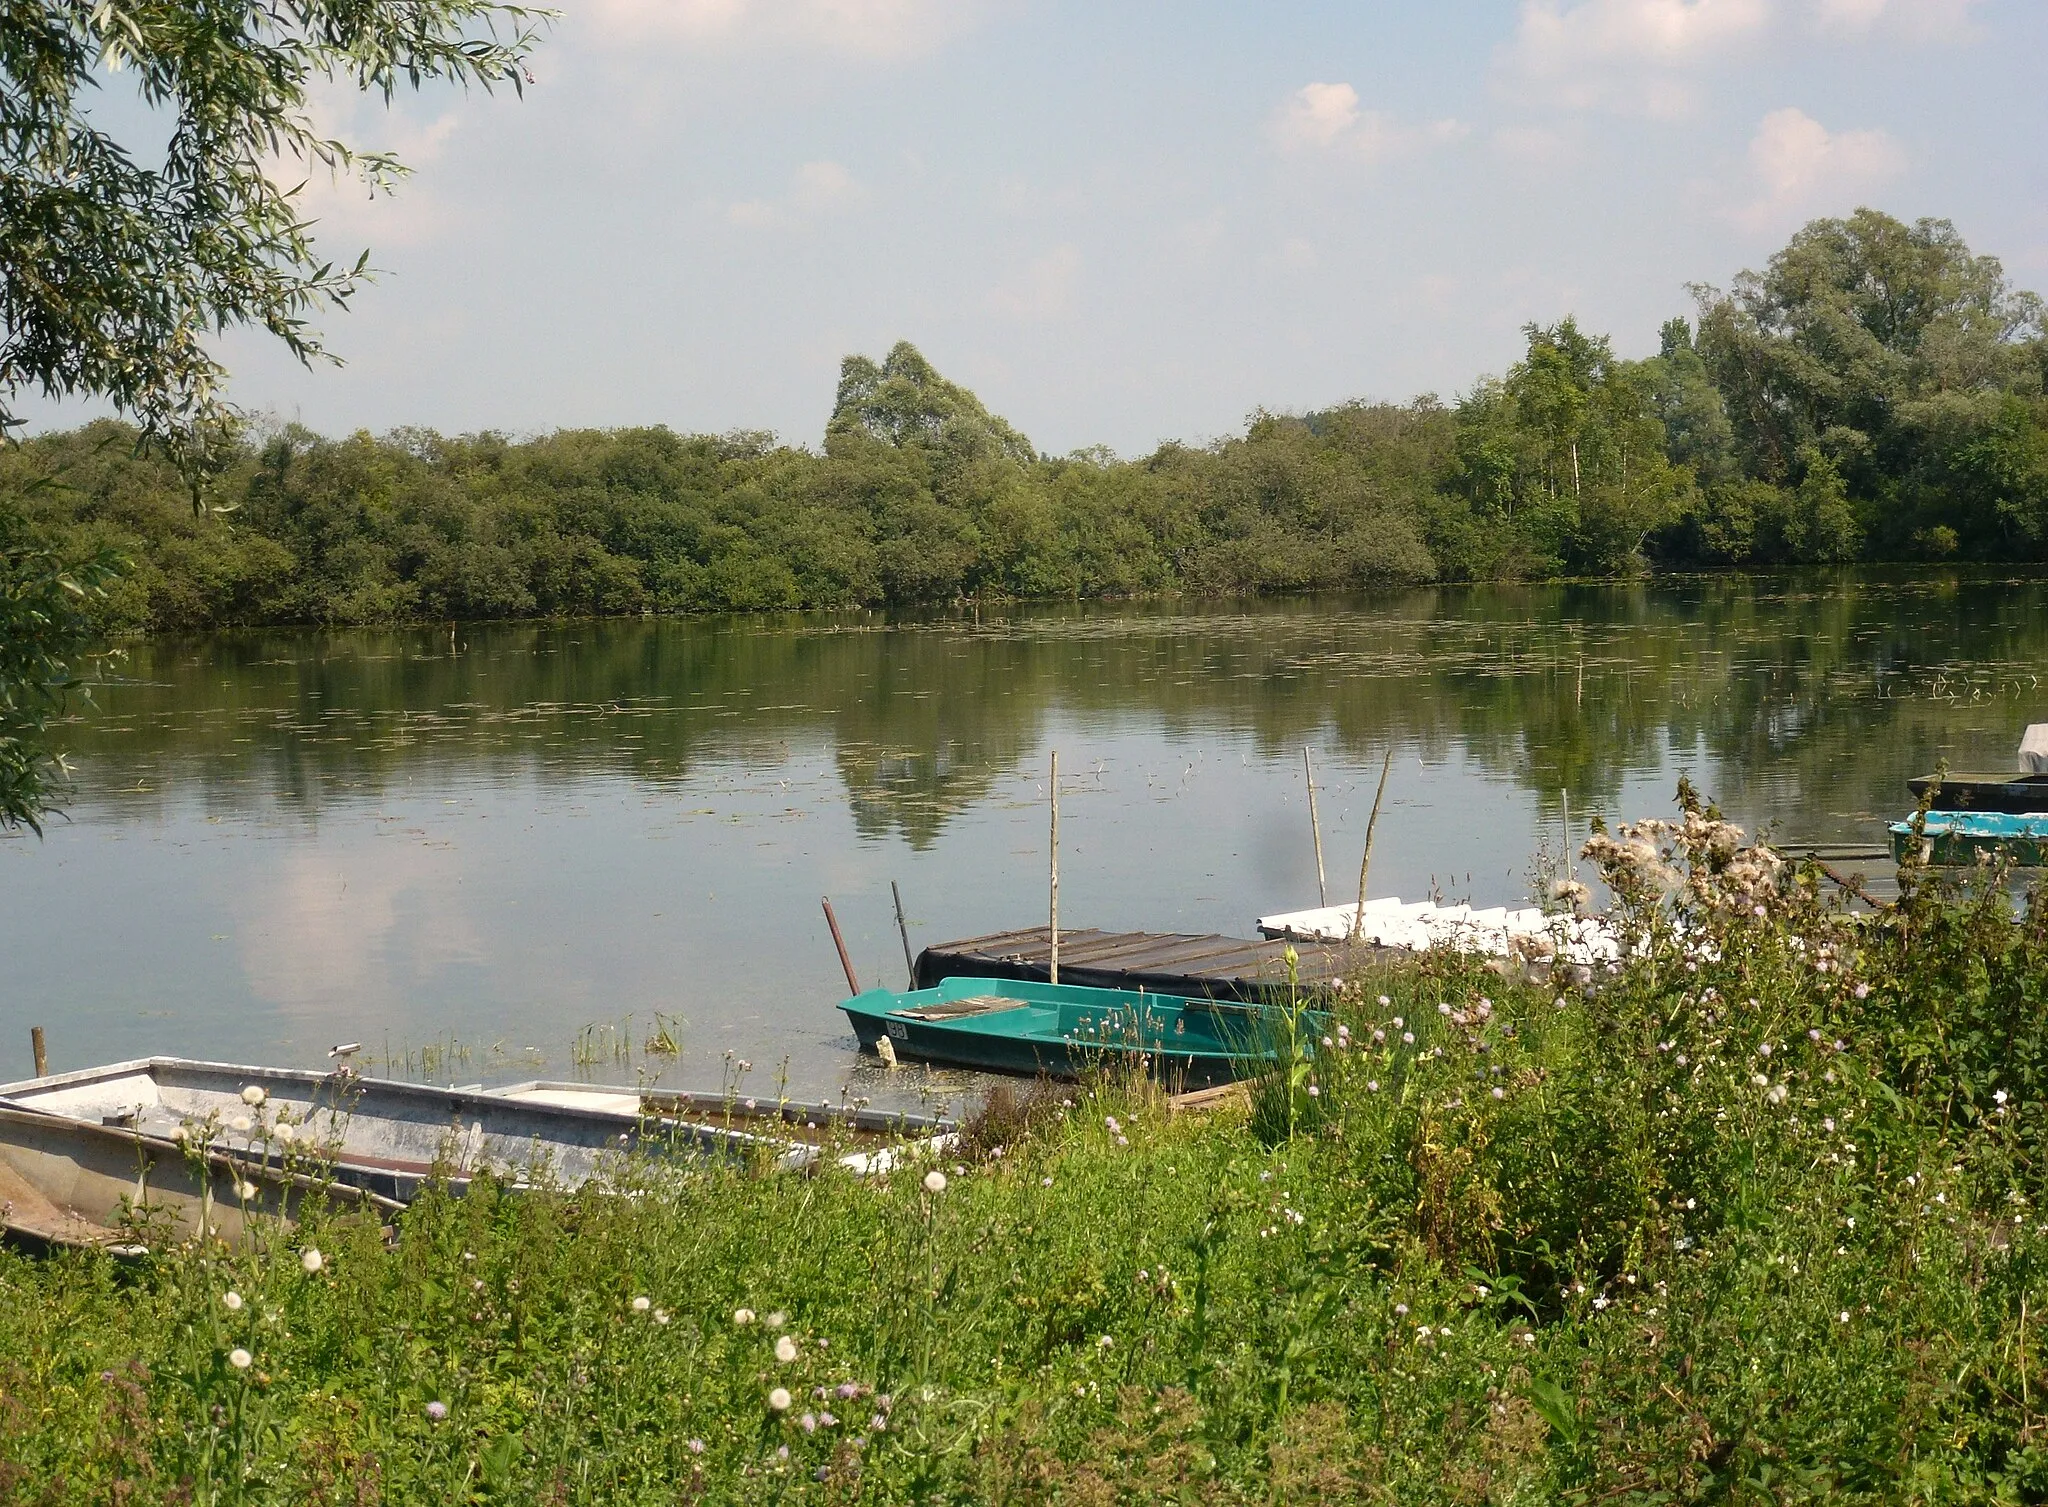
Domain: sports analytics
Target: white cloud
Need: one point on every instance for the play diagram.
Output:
(1803, 169)
(1044, 290)
(868, 28)
(1326, 118)
(340, 203)
(1912, 20)
(1636, 56)
(819, 188)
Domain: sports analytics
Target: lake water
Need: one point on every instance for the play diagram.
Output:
(522, 850)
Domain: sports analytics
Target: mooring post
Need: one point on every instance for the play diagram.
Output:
(903, 931)
(839, 942)
(35, 1041)
(1054, 969)
(1358, 921)
(1322, 887)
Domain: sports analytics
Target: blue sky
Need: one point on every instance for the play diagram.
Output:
(1126, 221)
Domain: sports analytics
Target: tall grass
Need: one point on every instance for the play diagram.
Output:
(1752, 1218)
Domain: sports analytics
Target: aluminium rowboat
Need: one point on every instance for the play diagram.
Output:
(379, 1134)
(1010, 1026)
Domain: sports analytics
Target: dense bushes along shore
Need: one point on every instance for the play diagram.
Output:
(1875, 394)
(1756, 1218)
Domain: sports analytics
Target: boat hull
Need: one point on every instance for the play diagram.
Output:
(1957, 839)
(66, 1183)
(1064, 1031)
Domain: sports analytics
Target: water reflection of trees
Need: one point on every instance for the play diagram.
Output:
(1829, 686)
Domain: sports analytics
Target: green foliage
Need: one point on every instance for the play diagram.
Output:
(114, 273)
(46, 626)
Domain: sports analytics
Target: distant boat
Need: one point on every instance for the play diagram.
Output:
(1958, 839)
(384, 1136)
(67, 1183)
(1010, 1026)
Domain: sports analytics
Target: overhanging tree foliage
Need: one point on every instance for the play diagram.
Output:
(125, 254)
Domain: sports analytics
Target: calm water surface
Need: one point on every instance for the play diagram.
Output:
(521, 851)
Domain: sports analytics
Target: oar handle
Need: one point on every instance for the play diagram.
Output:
(839, 942)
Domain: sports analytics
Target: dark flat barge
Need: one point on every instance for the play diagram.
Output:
(2014, 794)
(1188, 964)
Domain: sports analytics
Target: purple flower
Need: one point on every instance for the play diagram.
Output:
(696, 1446)
(437, 1411)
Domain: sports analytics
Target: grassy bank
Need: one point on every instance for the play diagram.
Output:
(1752, 1219)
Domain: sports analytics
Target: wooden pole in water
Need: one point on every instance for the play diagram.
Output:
(1564, 798)
(1365, 863)
(42, 1055)
(903, 931)
(1053, 971)
(1315, 826)
(839, 942)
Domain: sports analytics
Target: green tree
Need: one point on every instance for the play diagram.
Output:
(121, 261)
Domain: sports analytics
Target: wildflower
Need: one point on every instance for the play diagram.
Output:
(231, 1301)
(437, 1411)
(785, 1349)
(1045, 1182)
(661, 1315)
(1104, 1343)
(1329, 1043)
(253, 1096)
(1559, 1002)
(283, 1132)
(1113, 1124)
(1372, 1085)
(695, 1446)
(1379, 1035)
(778, 1400)
(240, 1358)
(1408, 1037)
(877, 1424)
(1843, 1316)
(846, 1391)
(245, 1191)
(1813, 1033)
(1998, 1097)
(1777, 1093)
(1499, 1092)
(1862, 990)
(776, 1319)
(935, 1181)
(311, 1259)
(1126, 1140)
(826, 1420)
(1759, 1080)
(1401, 1310)
(809, 1422)
(1828, 1124)
(1445, 1009)
(741, 1317)
(1398, 1022)
(1384, 1000)
(1313, 1092)
(641, 1305)
(1599, 1303)
(1764, 1049)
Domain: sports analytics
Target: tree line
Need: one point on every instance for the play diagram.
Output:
(1874, 394)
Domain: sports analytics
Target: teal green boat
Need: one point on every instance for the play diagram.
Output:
(1009, 1026)
(1956, 839)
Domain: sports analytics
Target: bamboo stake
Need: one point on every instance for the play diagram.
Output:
(1564, 797)
(839, 942)
(1054, 928)
(1358, 920)
(903, 931)
(42, 1055)
(1315, 826)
